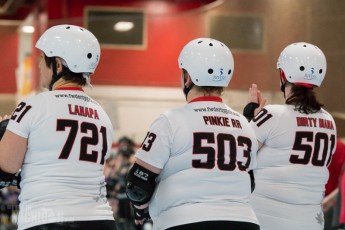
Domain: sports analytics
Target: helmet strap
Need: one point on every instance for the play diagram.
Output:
(186, 89)
(56, 76)
(283, 81)
(282, 85)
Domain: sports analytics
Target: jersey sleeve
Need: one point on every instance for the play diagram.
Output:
(264, 122)
(155, 150)
(25, 116)
(335, 129)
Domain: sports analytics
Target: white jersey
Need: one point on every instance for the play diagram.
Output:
(69, 136)
(204, 150)
(292, 165)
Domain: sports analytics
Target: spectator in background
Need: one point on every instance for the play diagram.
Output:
(112, 165)
(125, 215)
(9, 195)
(332, 195)
(9, 208)
(126, 142)
(116, 169)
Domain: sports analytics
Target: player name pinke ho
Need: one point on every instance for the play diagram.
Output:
(314, 122)
(222, 121)
(83, 111)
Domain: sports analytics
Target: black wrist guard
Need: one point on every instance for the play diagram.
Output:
(141, 214)
(17, 179)
(5, 179)
(249, 109)
(3, 126)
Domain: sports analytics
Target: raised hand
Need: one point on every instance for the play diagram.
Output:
(255, 96)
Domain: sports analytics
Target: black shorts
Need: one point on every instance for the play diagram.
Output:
(219, 225)
(78, 225)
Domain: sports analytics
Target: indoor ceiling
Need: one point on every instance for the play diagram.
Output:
(15, 9)
(20, 9)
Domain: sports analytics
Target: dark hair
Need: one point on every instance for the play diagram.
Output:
(127, 141)
(69, 76)
(304, 99)
(210, 89)
(205, 89)
(126, 151)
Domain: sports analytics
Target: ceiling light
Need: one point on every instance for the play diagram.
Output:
(123, 26)
(28, 29)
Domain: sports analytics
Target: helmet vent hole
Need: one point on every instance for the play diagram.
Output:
(229, 72)
(320, 71)
(89, 55)
(301, 68)
(210, 44)
(68, 27)
(199, 42)
(210, 71)
(304, 45)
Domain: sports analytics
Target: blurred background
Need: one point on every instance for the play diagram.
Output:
(138, 75)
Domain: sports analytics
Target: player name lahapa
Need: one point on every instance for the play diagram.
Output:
(83, 111)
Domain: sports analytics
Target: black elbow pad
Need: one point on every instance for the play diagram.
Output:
(140, 184)
(3, 126)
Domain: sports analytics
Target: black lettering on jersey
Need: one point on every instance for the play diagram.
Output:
(246, 144)
(20, 111)
(89, 137)
(222, 140)
(308, 148)
(262, 117)
(216, 120)
(221, 150)
(83, 111)
(236, 123)
(198, 148)
(148, 141)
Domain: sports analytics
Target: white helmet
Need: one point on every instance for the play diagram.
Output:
(208, 62)
(77, 46)
(303, 63)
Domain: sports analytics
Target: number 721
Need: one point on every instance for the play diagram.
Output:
(85, 141)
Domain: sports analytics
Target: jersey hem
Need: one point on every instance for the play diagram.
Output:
(68, 219)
